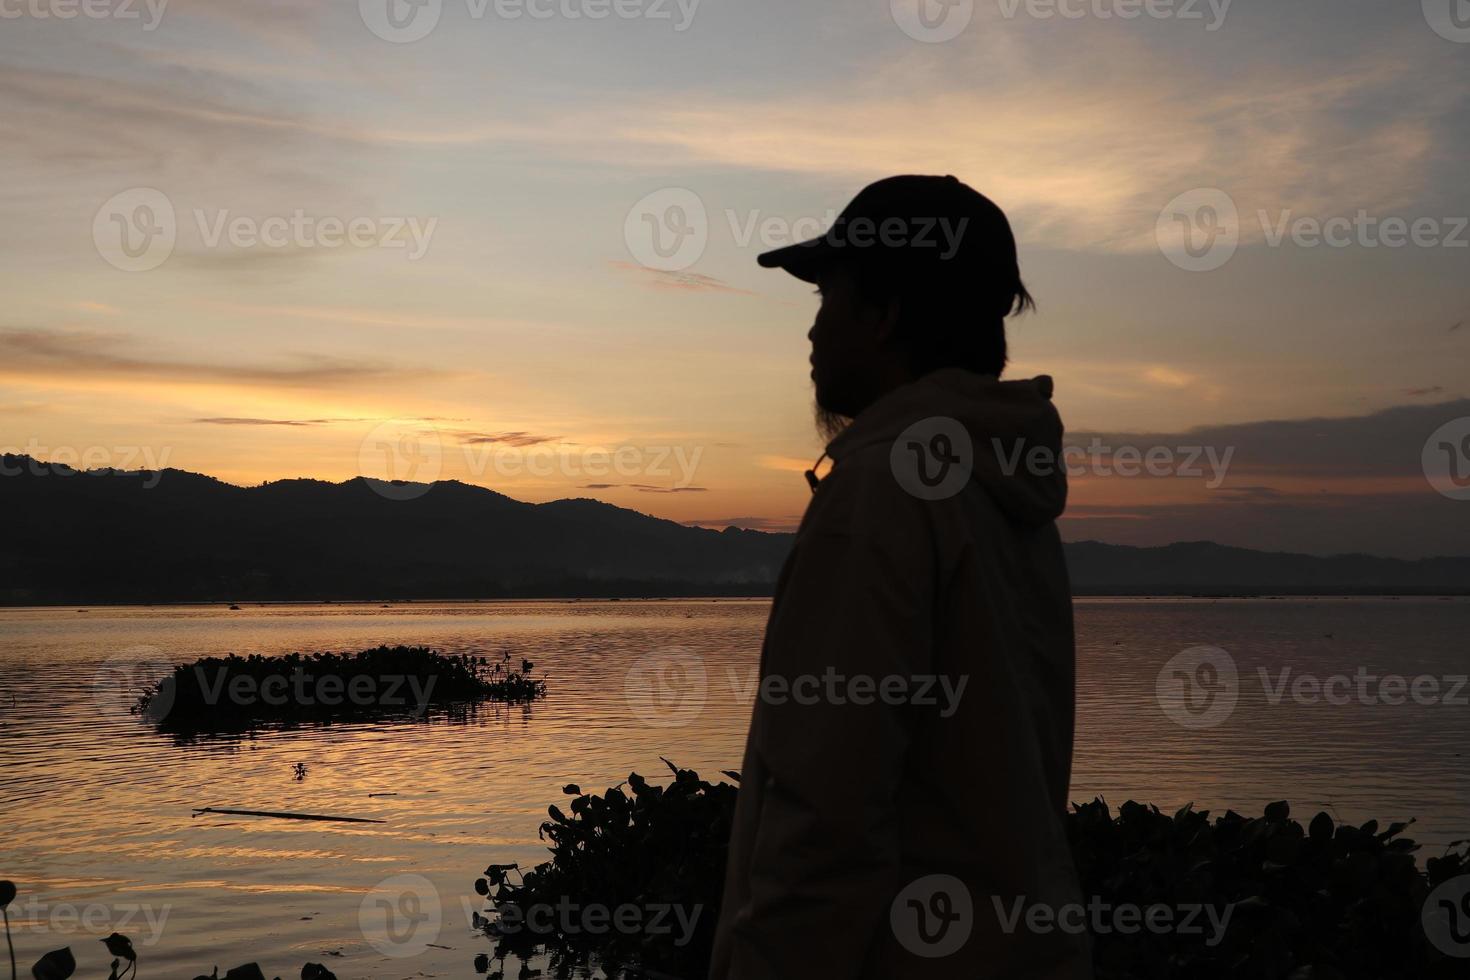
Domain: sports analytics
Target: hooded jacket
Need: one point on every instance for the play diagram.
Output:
(886, 828)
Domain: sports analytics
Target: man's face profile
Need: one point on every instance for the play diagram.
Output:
(847, 346)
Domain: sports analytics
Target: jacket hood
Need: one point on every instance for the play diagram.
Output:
(1015, 435)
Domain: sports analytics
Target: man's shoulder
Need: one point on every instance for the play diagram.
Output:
(862, 492)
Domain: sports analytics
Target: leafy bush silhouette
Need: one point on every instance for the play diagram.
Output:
(1326, 902)
(648, 846)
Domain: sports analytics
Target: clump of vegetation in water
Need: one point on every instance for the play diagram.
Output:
(1328, 901)
(236, 693)
(59, 964)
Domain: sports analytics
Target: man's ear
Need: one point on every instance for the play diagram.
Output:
(888, 317)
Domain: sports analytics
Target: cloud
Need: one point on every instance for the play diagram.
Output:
(1419, 392)
(1077, 164)
(288, 422)
(62, 356)
(1318, 485)
(360, 317)
(642, 488)
(78, 118)
(515, 439)
(784, 464)
(1383, 444)
(692, 282)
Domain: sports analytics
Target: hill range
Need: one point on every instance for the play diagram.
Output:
(173, 536)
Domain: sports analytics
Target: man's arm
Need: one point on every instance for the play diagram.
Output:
(832, 731)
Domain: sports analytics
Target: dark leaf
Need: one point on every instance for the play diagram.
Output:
(55, 965)
(250, 971)
(120, 945)
(1321, 828)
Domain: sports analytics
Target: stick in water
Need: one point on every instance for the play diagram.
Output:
(286, 816)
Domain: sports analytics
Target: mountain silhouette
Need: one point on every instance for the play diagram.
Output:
(105, 536)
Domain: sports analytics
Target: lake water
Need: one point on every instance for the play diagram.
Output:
(99, 832)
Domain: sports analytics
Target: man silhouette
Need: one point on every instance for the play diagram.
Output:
(901, 811)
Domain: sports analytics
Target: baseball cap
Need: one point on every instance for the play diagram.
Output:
(918, 225)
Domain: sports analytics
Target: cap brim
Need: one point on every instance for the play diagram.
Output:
(804, 260)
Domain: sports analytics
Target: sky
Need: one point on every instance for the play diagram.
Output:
(512, 242)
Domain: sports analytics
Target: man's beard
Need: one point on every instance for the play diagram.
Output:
(829, 423)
